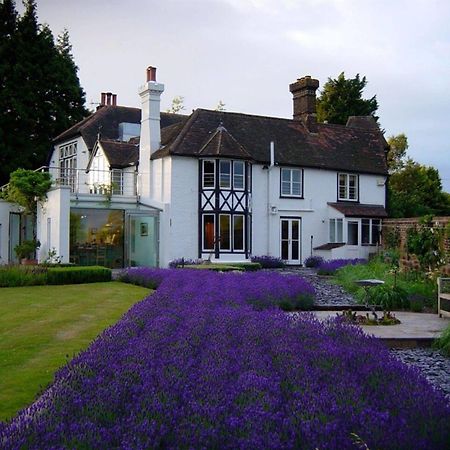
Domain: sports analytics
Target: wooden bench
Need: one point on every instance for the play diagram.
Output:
(443, 297)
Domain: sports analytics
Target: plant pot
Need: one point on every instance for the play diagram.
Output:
(28, 262)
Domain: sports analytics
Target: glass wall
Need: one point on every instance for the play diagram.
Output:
(97, 237)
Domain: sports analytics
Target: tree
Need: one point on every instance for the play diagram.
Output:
(416, 190)
(177, 105)
(40, 93)
(341, 98)
(397, 152)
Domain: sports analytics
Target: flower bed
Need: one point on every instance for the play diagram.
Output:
(330, 267)
(196, 366)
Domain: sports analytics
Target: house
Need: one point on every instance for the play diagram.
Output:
(142, 187)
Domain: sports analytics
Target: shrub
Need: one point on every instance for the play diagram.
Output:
(14, 276)
(314, 261)
(195, 366)
(77, 275)
(416, 302)
(443, 342)
(268, 262)
(330, 267)
(388, 297)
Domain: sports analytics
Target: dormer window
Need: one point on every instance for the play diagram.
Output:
(347, 187)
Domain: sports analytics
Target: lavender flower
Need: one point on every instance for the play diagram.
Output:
(329, 267)
(195, 365)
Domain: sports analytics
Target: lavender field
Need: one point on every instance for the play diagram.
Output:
(210, 361)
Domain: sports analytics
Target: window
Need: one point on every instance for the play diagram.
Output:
(238, 232)
(225, 231)
(208, 231)
(238, 175)
(225, 174)
(352, 232)
(68, 164)
(348, 187)
(291, 182)
(370, 231)
(336, 228)
(209, 176)
(117, 181)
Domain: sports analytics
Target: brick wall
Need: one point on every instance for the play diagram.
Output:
(404, 224)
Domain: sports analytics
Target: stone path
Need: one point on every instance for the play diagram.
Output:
(326, 292)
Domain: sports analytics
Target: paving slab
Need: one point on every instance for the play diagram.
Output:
(412, 326)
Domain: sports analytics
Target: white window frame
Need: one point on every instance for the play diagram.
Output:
(371, 236)
(291, 182)
(346, 185)
(243, 232)
(203, 233)
(335, 224)
(241, 177)
(203, 173)
(68, 164)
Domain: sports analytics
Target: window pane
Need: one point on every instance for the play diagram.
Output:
(295, 230)
(285, 188)
(238, 175)
(238, 232)
(208, 232)
(284, 229)
(342, 185)
(332, 230)
(339, 230)
(365, 231)
(225, 243)
(375, 231)
(286, 175)
(225, 174)
(352, 231)
(296, 176)
(296, 189)
(208, 173)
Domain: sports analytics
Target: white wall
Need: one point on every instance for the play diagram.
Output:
(53, 224)
(320, 187)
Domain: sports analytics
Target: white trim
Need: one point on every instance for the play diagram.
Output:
(291, 182)
(347, 187)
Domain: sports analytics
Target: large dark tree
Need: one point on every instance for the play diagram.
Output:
(40, 93)
(342, 97)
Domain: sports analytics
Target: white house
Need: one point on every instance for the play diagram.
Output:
(141, 187)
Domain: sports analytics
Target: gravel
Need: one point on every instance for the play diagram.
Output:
(432, 363)
(326, 292)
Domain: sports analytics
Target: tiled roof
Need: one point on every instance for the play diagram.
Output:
(358, 210)
(120, 154)
(334, 147)
(221, 143)
(106, 121)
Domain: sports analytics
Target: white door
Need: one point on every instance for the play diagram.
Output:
(290, 240)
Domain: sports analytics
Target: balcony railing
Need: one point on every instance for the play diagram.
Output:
(97, 182)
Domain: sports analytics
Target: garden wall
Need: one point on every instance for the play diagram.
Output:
(405, 223)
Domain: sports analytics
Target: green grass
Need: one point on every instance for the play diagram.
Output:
(443, 342)
(412, 284)
(42, 326)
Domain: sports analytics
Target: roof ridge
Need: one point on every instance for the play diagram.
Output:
(184, 129)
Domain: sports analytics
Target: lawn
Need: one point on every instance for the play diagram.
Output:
(41, 327)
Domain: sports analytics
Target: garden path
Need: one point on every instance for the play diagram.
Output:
(326, 293)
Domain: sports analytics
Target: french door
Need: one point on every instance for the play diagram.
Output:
(290, 240)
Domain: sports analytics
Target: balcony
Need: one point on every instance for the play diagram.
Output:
(114, 182)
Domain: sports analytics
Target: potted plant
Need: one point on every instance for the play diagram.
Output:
(26, 251)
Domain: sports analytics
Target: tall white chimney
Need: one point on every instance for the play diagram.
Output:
(150, 139)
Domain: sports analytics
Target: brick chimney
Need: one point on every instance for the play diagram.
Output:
(150, 139)
(304, 93)
(108, 98)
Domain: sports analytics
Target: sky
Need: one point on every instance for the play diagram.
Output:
(246, 52)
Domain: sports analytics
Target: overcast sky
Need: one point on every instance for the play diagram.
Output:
(246, 52)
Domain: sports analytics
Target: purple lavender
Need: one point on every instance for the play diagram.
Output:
(329, 267)
(268, 262)
(195, 365)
